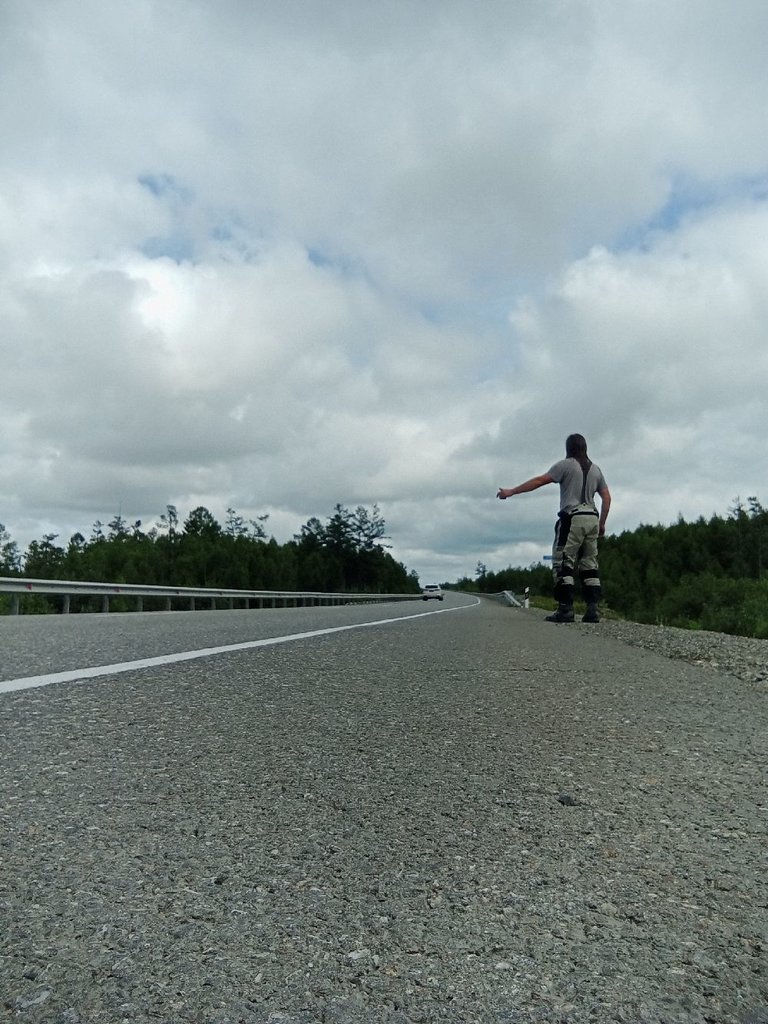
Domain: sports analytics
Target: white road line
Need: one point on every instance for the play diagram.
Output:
(29, 682)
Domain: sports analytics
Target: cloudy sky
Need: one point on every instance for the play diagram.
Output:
(279, 255)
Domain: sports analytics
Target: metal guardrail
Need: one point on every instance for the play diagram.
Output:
(17, 586)
(511, 599)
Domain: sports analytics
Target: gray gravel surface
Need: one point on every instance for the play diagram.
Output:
(470, 817)
(738, 656)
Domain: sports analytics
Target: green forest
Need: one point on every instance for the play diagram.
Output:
(708, 574)
(346, 553)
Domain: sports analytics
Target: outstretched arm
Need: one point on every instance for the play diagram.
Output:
(530, 485)
(605, 507)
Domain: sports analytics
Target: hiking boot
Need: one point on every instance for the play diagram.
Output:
(591, 614)
(564, 613)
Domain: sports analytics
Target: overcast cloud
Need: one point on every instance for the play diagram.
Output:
(277, 256)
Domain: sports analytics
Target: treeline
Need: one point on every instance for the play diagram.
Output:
(346, 553)
(708, 574)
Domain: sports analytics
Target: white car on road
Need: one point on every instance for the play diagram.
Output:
(431, 590)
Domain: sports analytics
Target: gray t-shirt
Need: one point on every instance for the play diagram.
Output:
(569, 474)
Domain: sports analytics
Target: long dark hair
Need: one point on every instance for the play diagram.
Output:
(576, 448)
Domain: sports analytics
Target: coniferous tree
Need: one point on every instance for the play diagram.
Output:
(10, 556)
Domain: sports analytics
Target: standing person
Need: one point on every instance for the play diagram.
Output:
(577, 528)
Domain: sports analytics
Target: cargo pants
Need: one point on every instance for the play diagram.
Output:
(575, 549)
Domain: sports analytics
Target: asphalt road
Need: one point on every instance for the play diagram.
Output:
(466, 814)
(32, 645)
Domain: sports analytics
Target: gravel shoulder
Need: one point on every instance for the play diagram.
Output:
(741, 657)
(477, 818)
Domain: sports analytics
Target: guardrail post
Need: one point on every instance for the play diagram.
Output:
(167, 604)
(139, 603)
(14, 604)
(65, 605)
(191, 604)
(105, 602)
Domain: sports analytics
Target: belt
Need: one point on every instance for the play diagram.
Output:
(580, 512)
